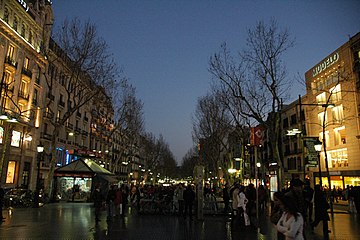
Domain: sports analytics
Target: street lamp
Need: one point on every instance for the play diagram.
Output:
(40, 150)
(317, 147)
(258, 165)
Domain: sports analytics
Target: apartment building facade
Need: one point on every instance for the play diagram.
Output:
(31, 108)
(23, 35)
(334, 86)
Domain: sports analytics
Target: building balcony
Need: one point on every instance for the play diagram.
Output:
(11, 62)
(78, 114)
(77, 129)
(45, 135)
(69, 125)
(23, 95)
(26, 72)
(84, 133)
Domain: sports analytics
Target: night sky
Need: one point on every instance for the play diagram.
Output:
(164, 46)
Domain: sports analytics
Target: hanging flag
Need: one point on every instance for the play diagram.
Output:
(257, 136)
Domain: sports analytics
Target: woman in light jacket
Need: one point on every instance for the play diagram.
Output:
(291, 223)
(242, 205)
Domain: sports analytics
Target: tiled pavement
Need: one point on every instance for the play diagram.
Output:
(76, 221)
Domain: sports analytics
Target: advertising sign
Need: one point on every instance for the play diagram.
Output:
(15, 140)
(312, 155)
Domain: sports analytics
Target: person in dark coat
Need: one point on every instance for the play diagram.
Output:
(321, 214)
(98, 200)
(189, 197)
(110, 201)
(226, 198)
(308, 194)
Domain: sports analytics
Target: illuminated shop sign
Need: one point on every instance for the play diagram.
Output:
(15, 140)
(325, 64)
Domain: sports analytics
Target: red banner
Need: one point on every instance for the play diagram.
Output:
(257, 136)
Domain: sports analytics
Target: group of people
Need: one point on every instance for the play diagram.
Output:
(244, 203)
(116, 199)
(292, 210)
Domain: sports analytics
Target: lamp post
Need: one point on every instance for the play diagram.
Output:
(318, 146)
(258, 165)
(40, 150)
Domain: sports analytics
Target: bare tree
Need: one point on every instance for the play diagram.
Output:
(211, 125)
(129, 120)
(258, 80)
(81, 68)
(158, 156)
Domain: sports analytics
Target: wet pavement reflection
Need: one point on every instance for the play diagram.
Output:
(77, 221)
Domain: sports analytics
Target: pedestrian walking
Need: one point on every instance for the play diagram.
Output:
(296, 193)
(226, 198)
(118, 202)
(250, 193)
(135, 200)
(179, 193)
(308, 194)
(98, 200)
(242, 208)
(110, 198)
(291, 223)
(321, 214)
(189, 197)
(276, 212)
(125, 196)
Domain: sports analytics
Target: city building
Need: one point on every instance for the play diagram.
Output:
(23, 35)
(332, 114)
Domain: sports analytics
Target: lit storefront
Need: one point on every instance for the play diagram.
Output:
(75, 181)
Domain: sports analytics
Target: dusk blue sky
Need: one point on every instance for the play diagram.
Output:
(164, 46)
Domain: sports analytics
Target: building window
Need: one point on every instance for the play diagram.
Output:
(30, 37)
(37, 80)
(58, 115)
(26, 63)
(340, 137)
(291, 163)
(10, 176)
(6, 15)
(23, 30)
(338, 114)
(321, 98)
(15, 23)
(321, 118)
(23, 88)
(335, 94)
(15, 139)
(10, 53)
(338, 158)
(35, 97)
(8, 78)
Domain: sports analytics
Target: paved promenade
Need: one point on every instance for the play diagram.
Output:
(76, 221)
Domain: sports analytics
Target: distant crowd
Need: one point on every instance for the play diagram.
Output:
(292, 209)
